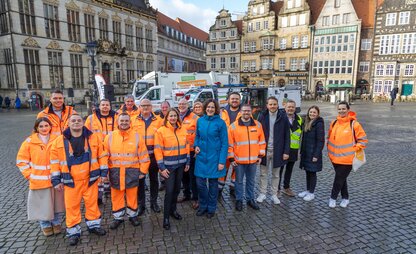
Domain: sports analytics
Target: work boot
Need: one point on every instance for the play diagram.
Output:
(135, 221)
(253, 204)
(73, 240)
(141, 210)
(115, 224)
(176, 215)
(239, 205)
(166, 223)
(155, 207)
(97, 231)
(232, 192)
(289, 192)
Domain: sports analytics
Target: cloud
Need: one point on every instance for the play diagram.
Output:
(191, 13)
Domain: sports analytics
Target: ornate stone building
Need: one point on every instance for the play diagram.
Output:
(223, 48)
(181, 46)
(395, 47)
(43, 45)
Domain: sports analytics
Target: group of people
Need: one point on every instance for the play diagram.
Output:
(67, 159)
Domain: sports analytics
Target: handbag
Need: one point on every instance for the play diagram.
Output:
(359, 156)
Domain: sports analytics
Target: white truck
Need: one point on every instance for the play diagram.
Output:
(159, 86)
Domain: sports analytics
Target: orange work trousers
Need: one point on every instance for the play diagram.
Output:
(223, 180)
(119, 198)
(73, 197)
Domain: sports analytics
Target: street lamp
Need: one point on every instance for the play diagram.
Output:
(92, 52)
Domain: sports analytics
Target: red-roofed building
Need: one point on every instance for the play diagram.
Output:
(223, 49)
(181, 46)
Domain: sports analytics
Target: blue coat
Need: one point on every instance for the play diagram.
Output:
(313, 142)
(212, 140)
(281, 136)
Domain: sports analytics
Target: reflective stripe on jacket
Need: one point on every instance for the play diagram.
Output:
(58, 124)
(127, 158)
(171, 147)
(101, 124)
(296, 134)
(67, 169)
(341, 147)
(33, 162)
(148, 133)
(246, 143)
(189, 123)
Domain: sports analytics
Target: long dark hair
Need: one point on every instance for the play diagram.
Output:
(38, 121)
(216, 105)
(308, 120)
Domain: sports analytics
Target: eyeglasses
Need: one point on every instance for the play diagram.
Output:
(145, 106)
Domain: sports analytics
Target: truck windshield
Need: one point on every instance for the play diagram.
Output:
(192, 94)
(140, 88)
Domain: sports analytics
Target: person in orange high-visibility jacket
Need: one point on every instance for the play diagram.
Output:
(189, 119)
(247, 146)
(172, 156)
(57, 112)
(77, 161)
(128, 162)
(102, 121)
(43, 203)
(345, 137)
(129, 107)
(146, 124)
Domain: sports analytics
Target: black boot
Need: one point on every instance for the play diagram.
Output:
(115, 224)
(166, 223)
(73, 240)
(135, 221)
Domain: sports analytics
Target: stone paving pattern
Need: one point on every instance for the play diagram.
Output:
(380, 218)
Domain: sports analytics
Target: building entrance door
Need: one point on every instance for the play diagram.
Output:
(106, 72)
(407, 89)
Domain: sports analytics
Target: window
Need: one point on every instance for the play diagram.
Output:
(282, 44)
(245, 66)
(335, 19)
(140, 67)
(130, 70)
(117, 32)
(139, 38)
(222, 34)
(267, 63)
(149, 41)
(409, 43)
(56, 73)
(364, 67)
(290, 4)
(253, 46)
(213, 47)
(298, 3)
(253, 66)
(223, 22)
(366, 44)
(233, 46)
(377, 86)
(129, 38)
(232, 33)
(266, 24)
(404, 18)
(213, 63)
(302, 64)
(379, 70)
(222, 62)
(246, 46)
(27, 17)
(346, 18)
(409, 70)
(233, 62)
(267, 44)
(293, 64)
(282, 64)
(213, 35)
(304, 41)
(390, 44)
(337, 3)
(149, 64)
(391, 19)
(32, 68)
(9, 67)
(4, 18)
(89, 27)
(284, 22)
(154, 95)
(293, 20)
(250, 27)
(302, 19)
(389, 70)
(388, 85)
(258, 26)
(77, 74)
(222, 46)
(73, 25)
(398, 70)
(325, 21)
(295, 42)
(51, 21)
(103, 28)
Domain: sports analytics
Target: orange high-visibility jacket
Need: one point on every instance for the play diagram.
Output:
(171, 147)
(102, 124)
(92, 164)
(58, 125)
(148, 133)
(224, 116)
(127, 158)
(133, 114)
(33, 161)
(341, 147)
(246, 143)
(189, 123)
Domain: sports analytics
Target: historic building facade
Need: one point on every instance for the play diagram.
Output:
(223, 48)
(43, 45)
(395, 48)
(181, 46)
(293, 45)
(335, 50)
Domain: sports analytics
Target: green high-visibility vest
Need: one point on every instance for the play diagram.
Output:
(295, 135)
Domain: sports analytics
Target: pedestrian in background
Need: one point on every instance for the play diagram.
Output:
(246, 147)
(172, 156)
(345, 137)
(211, 148)
(393, 95)
(295, 122)
(7, 102)
(313, 141)
(44, 203)
(18, 103)
(275, 126)
(1, 102)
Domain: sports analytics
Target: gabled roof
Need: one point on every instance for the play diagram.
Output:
(182, 26)
(276, 6)
(239, 25)
(316, 7)
(366, 11)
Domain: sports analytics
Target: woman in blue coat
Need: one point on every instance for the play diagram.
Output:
(313, 141)
(211, 149)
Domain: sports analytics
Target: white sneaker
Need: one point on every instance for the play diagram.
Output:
(332, 203)
(303, 194)
(261, 198)
(275, 200)
(309, 197)
(344, 203)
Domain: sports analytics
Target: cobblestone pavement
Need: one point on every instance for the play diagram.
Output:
(380, 218)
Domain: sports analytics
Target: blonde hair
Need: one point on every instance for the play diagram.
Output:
(308, 120)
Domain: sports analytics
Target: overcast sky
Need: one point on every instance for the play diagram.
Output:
(200, 13)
